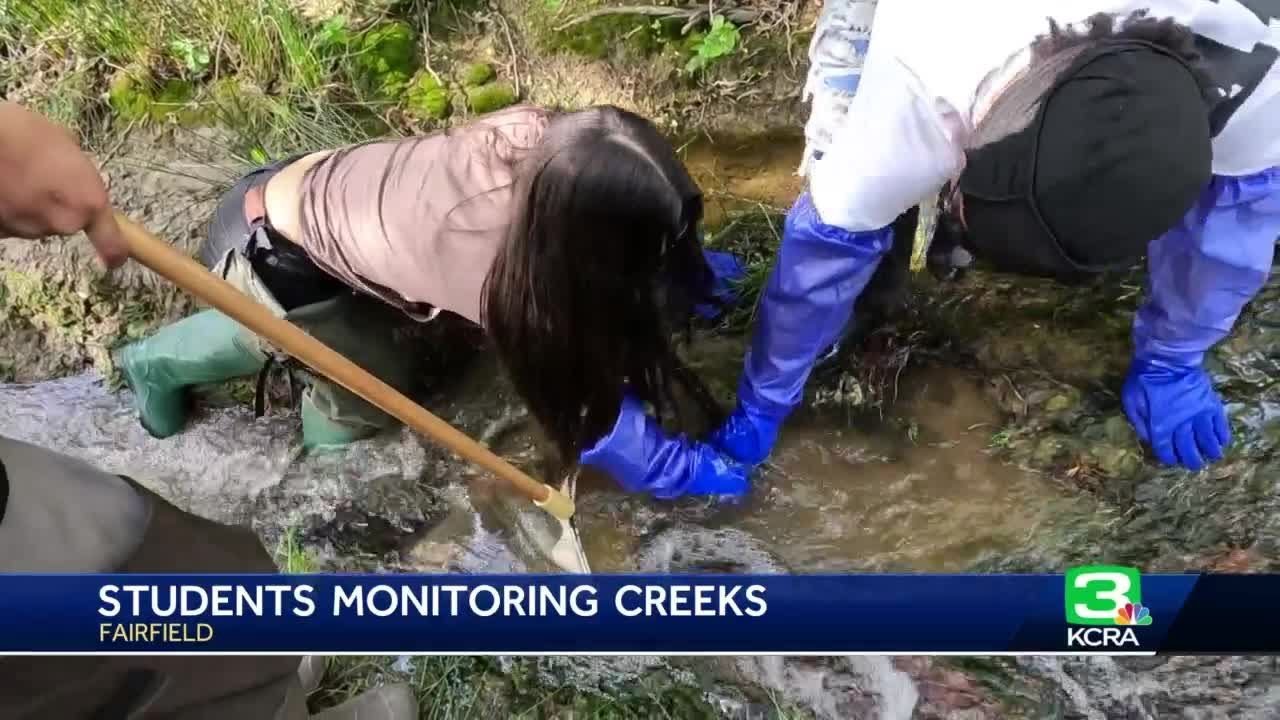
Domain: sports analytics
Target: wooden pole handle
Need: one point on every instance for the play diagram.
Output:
(195, 279)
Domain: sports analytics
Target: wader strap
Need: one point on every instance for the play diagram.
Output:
(260, 392)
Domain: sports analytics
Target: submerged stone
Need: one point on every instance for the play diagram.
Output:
(1048, 450)
(1116, 462)
(1059, 403)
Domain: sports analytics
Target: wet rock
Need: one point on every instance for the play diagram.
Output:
(691, 549)
(433, 556)
(1049, 450)
(835, 688)
(1189, 687)
(1116, 462)
(476, 74)
(1118, 430)
(1059, 403)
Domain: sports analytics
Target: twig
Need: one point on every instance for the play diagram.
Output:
(515, 58)
(738, 16)
(426, 45)
(694, 20)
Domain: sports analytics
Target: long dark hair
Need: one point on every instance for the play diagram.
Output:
(602, 253)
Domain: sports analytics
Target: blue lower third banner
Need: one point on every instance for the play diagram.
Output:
(1091, 609)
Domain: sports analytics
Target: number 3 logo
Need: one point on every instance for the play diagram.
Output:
(1096, 593)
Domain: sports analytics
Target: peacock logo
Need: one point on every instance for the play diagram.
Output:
(1133, 614)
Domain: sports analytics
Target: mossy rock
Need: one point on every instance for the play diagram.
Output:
(129, 94)
(427, 98)
(490, 97)
(1061, 403)
(385, 59)
(134, 95)
(1048, 450)
(174, 100)
(477, 74)
(1116, 462)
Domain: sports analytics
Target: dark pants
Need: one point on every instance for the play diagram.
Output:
(283, 267)
(64, 515)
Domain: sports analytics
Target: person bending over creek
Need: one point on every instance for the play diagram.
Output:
(570, 237)
(59, 514)
(1071, 138)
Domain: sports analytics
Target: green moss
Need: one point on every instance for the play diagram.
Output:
(477, 74)
(385, 58)
(129, 94)
(426, 98)
(134, 95)
(174, 100)
(490, 97)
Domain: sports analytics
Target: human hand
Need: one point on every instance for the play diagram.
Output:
(728, 270)
(746, 436)
(1176, 411)
(51, 187)
(641, 458)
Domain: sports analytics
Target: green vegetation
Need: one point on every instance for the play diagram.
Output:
(477, 74)
(291, 556)
(282, 82)
(427, 98)
(721, 40)
(490, 97)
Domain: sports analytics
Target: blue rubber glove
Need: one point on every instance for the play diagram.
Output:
(728, 270)
(1202, 274)
(1175, 410)
(639, 455)
(819, 273)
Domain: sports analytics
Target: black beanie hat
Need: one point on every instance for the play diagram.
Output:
(1118, 152)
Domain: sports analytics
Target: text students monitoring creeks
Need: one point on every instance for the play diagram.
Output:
(1069, 138)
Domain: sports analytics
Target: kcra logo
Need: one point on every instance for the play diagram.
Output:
(1107, 600)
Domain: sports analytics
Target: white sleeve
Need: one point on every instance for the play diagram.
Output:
(898, 144)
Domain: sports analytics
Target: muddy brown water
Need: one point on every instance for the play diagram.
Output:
(917, 488)
(915, 491)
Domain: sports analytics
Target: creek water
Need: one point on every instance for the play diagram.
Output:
(914, 487)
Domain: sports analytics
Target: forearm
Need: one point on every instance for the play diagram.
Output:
(819, 273)
(1203, 272)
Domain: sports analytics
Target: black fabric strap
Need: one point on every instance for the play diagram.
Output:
(260, 392)
(4, 490)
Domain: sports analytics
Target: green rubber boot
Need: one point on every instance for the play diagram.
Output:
(204, 348)
(321, 429)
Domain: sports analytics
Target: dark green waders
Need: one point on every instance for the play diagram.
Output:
(210, 347)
